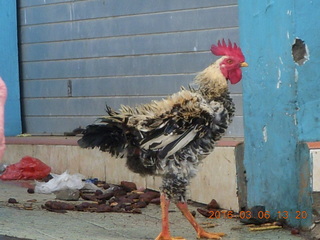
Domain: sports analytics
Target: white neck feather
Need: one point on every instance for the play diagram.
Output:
(211, 81)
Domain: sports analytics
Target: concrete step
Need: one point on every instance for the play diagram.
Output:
(315, 156)
(216, 179)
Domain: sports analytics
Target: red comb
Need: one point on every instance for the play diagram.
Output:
(222, 49)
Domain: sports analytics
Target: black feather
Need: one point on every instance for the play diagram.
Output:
(106, 137)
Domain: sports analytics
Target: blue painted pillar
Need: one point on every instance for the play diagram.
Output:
(9, 70)
(308, 74)
(276, 101)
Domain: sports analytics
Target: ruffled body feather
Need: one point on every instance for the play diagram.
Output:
(168, 137)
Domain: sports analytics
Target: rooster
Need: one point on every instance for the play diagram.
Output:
(172, 136)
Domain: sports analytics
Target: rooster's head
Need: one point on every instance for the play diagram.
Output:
(232, 60)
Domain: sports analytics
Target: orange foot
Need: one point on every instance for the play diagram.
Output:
(204, 234)
(162, 237)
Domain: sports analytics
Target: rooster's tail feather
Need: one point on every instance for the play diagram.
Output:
(106, 137)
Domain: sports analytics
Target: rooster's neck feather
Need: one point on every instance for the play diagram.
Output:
(212, 83)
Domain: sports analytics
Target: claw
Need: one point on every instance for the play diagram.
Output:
(204, 234)
(200, 231)
(160, 237)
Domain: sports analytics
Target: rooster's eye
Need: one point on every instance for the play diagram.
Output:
(229, 61)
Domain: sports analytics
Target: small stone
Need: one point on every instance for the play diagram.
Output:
(98, 192)
(295, 231)
(193, 213)
(128, 186)
(101, 201)
(204, 212)
(133, 195)
(213, 205)
(128, 208)
(87, 207)
(68, 195)
(30, 190)
(119, 192)
(105, 196)
(81, 207)
(136, 210)
(104, 208)
(148, 196)
(117, 209)
(55, 205)
(88, 197)
(84, 204)
(141, 204)
(12, 200)
(155, 201)
(125, 200)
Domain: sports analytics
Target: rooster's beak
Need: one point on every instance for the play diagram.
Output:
(244, 64)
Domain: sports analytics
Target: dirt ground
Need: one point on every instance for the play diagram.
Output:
(27, 219)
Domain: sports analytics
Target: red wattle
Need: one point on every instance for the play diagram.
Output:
(235, 76)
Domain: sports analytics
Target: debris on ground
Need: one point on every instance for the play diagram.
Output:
(59, 207)
(265, 226)
(204, 212)
(91, 195)
(213, 205)
(68, 194)
(60, 182)
(12, 200)
(124, 198)
(28, 168)
(28, 206)
(256, 215)
(25, 206)
(128, 186)
(3, 167)
(30, 190)
(208, 224)
(295, 231)
(213, 210)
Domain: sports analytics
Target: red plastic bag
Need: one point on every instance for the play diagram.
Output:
(27, 168)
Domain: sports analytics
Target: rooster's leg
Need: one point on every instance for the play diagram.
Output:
(165, 233)
(200, 231)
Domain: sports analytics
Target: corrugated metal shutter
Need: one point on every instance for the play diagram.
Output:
(76, 56)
